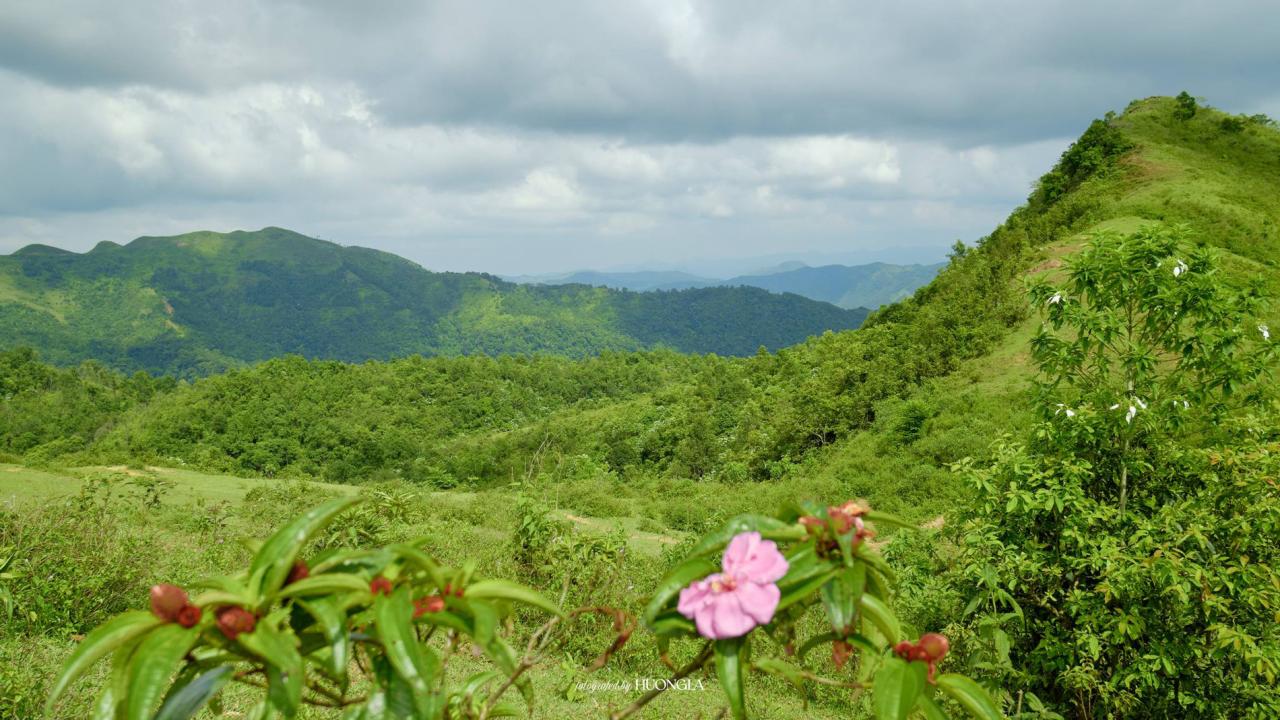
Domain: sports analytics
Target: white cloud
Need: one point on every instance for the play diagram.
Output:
(547, 135)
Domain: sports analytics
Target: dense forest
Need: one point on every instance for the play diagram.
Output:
(1077, 412)
(205, 302)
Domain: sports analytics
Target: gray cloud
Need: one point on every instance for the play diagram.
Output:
(520, 137)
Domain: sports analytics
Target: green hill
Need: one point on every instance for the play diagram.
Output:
(205, 302)
(927, 381)
(665, 443)
(847, 286)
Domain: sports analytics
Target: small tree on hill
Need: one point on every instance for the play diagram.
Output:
(1186, 108)
(1125, 552)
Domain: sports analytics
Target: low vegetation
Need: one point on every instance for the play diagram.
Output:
(1072, 421)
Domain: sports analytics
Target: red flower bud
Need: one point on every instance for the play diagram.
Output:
(300, 571)
(166, 601)
(903, 650)
(188, 616)
(432, 604)
(380, 586)
(812, 524)
(841, 650)
(449, 589)
(934, 645)
(840, 521)
(235, 620)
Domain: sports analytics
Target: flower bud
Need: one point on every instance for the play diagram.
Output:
(935, 646)
(432, 604)
(234, 620)
(812, 524)
(380, 586)
(167, 601)
(300, 571)
(841, 650)
(188, 616)
(903, 650)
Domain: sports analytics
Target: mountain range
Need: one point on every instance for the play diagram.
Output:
(847, 286)
(204, 302)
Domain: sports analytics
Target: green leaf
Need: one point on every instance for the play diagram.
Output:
(326, 584)
(504, 656)
(882, 617)
(393, 616)
(859, 640)
(507, 590)
(104, 639)
(153, 664)
(672, 623)
(422, 561)
(185, 703)
(729, 672)
(840, 597)
(795, 593)
(876, 516)
(898, 685)
(769, 528)
(782, 669)
(972, 697)
(333, 623)
(932, 710)
(692, 569)
(273, 561)
(284, 665)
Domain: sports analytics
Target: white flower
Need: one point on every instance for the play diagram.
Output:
(1266, 332)
(1180, 268)
(1140, 403)
(1128, 417)
(1063, 409)
(1185, 404)
(1071, 413)
(1057, 298)
(1116, 406)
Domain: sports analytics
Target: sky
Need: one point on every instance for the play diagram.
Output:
(528, 137)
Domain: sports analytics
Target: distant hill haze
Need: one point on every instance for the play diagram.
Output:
(847, 286)
(204, 302)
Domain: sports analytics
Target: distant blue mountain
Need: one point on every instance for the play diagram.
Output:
(848, 286)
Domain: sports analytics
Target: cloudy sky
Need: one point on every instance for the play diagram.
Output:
(540, 136)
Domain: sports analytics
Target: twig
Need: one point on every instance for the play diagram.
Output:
(694, 665)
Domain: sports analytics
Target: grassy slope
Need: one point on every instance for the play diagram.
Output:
(1221, 184)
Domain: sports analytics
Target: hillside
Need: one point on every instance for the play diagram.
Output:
(661, 445)
(205, 302)
(750, 418)
(847, 286)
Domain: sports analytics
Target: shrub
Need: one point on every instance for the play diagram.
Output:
(1120, 558)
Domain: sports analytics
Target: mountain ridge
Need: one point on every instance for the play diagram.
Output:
(868, 285)
(202, 302)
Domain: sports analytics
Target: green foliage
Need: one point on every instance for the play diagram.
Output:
(831, 568)
(1097, 151)
(1124, 555)
(1185, 107)
(203, 303)
(378, 608)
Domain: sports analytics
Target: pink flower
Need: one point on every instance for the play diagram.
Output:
(730, 603)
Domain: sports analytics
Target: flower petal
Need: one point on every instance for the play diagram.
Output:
(759, 600)
(730, 619)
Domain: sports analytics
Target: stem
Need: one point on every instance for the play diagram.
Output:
(694, 665)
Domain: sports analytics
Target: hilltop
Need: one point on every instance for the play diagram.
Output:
(204, 302)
